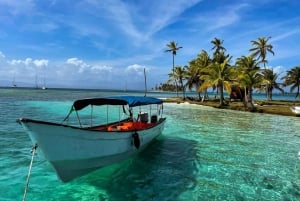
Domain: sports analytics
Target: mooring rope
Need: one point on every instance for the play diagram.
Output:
(29, 171)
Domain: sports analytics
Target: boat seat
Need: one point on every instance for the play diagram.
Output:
(154, 118)
(128, 126)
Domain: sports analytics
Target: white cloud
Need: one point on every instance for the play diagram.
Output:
(135, 73)
(135, 68)
(41, 63)
(13, 62)
(25, 62)
(2, 56)
(118, 39)
(224, 16)
(83, 67)
(122, 18)
(138, 21)
(75, 61)
(163, 14)
(29, 62)
(102, 68)
(286, 35)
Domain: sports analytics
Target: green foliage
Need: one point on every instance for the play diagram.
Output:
(216, 72)
(166, 87)
(173, 48)
(261, 48)
(292, 79)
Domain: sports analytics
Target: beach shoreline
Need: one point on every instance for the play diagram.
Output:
(265, 107)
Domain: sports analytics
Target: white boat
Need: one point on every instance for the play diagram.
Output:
(296, 110)
(44, 86)
(77, 150)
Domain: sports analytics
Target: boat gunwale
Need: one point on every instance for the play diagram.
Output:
(27, 120)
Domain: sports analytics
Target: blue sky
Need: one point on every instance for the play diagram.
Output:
(106, 44)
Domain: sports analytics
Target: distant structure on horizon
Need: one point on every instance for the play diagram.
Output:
(14, 85)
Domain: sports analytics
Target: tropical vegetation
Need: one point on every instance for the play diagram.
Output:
(292, 79)
(173, 47)
(239, 78)
(248, 77)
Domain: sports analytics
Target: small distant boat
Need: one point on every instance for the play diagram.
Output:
(296, 110)
(44, 86)
(14, 85)
(75, 150)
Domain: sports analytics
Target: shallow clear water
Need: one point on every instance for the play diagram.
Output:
(203, 154)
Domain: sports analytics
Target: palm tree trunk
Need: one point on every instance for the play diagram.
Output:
(183, 89)
(270, 93)
(250, 102)
(221, 95)
(175, 78)
(267, 85)
(245, 99)
(199, 93)
(206, 94)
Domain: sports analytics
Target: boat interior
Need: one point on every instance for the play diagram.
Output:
(129, 124)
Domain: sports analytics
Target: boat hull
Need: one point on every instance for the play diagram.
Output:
(296, 110)
(74, 151)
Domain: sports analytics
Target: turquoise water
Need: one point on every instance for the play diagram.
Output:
(203, 154)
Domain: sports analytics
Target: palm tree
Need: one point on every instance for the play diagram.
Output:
(270, 83)
(192, 75)
(293, 78)
(219, 55)
(179, 74)
(219, 75)
(173, 48)
(249, 76)
(194, 71)
(203, 61)
(260, 50)
(217, 46)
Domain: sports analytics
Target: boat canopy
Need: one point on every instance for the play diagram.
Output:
(131, 101)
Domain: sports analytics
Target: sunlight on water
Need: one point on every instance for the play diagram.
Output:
(242, 155)
(203, 154)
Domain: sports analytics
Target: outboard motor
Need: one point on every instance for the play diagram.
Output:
(136, 140)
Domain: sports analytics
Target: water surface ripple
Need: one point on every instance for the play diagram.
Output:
(203, 154)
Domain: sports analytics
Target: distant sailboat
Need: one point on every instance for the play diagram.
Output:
(36, 81)
(14, 85)
(37, 86)
(44, 86)
(44, 81)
